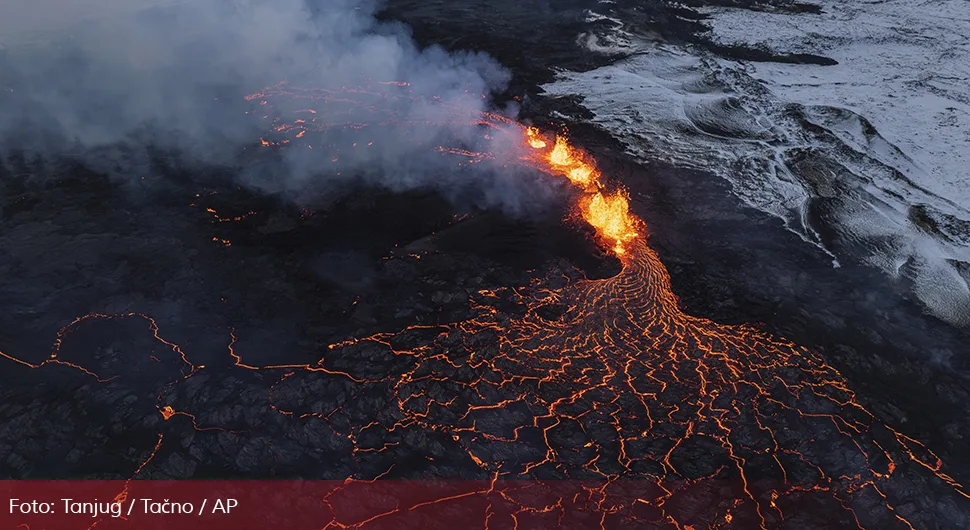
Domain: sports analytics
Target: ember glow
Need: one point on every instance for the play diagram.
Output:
(604, 380)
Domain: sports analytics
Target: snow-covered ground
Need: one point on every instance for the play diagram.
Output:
(869, 159)
(903, 64)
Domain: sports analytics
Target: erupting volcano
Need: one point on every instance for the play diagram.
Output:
(620, 406)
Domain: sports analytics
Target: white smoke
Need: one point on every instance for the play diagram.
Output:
(82, 76)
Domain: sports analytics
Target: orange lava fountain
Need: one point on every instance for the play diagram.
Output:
(609, 214)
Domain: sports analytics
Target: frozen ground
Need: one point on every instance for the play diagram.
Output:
(904, 65)
(866, 159)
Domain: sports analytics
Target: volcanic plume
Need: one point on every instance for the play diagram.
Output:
(126, 82)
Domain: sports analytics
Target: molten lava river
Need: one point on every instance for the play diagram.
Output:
(655, 418)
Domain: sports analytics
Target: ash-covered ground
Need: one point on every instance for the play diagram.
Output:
(231, 331)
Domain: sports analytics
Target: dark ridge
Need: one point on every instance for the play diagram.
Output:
(742, 52)
(775, 6)
(798, 7)
(688, 14)
(919, 215)
(940, 224)
(962, 267)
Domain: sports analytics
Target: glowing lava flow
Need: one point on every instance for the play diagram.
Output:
(672, 421)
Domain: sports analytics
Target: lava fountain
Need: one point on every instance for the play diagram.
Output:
(609, 214)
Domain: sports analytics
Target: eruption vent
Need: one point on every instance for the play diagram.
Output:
(608, 213)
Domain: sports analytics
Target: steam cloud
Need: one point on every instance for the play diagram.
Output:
(171, 75)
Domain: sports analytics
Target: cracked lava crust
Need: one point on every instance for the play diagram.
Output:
(657, 418)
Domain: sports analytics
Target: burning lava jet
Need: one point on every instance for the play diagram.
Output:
(658, 419)
(608, 214)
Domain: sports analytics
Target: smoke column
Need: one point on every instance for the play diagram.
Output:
(90, 79)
